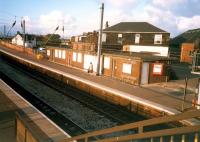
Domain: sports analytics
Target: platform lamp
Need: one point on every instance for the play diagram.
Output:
(11, 27)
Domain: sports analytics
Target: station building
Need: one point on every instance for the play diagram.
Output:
(133, 52)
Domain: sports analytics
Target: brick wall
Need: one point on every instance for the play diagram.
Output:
(186, 49)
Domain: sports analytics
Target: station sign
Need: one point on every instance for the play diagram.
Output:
(157, 69)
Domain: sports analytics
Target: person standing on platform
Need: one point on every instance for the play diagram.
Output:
(90, 69)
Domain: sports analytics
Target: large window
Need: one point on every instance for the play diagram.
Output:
(74, 56)
(137, 38)
(158, 39)
(56, 53)
(107, 62)
(48, 53)
(63, 54)
(60, 54)
(127, 68)
(79, 59)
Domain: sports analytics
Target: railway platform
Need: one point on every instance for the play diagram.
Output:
(156, 97)
(20, 121)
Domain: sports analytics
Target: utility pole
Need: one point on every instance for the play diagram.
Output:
(100, 41)
(4, 30)
(24, 34)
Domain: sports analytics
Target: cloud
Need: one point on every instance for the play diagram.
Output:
(161, 13)
(49, 22)
(185, 23)
(167, 3)
(169, 15)
(120, 3)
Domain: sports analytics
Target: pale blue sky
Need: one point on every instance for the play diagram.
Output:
(42, 16)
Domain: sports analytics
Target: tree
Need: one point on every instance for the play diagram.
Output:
(52, 39)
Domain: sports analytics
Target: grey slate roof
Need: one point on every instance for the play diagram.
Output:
(134, 27)
(189, 36)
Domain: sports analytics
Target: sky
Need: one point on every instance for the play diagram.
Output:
(78, 16)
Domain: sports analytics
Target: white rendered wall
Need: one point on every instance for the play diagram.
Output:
(161, 50)
(93, 59)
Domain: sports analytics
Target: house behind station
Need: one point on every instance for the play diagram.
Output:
(126, 36)
(137, 37)
(185, 44)
(31, 40)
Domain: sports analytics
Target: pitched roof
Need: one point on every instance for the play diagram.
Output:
(134, 27)
(28, 36)
(189, 36)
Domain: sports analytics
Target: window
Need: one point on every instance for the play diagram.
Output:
(106, 62)
(119, 38)
(63, 54)
(104, 37)
(127, 68)
(80, 38)
(137, 38)
(60, 54)
(119, 35)
(56, 53)
(79, 57)
(76, 39)
(74, 56)
(48, 52)
(158, 39)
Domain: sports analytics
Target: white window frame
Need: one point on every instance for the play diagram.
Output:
(63, 54)
(56, 53)
(119, 35)
(106, 62)
(48, 53)
(74, 56)
(60, 54)
(119, 40)
(79, 57)
(158, 39)
(137, 38)
(127, 68)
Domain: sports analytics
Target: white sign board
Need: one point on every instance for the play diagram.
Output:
(157, 69)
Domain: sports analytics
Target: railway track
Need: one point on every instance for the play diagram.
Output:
(114, 112)
(69, 126)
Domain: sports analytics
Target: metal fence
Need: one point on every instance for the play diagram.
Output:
(183, 133)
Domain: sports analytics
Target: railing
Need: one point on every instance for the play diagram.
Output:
(142, 133)
(196, 63)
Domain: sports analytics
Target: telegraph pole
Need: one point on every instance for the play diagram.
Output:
(24, 33)
(4, 30)
(100, 41)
